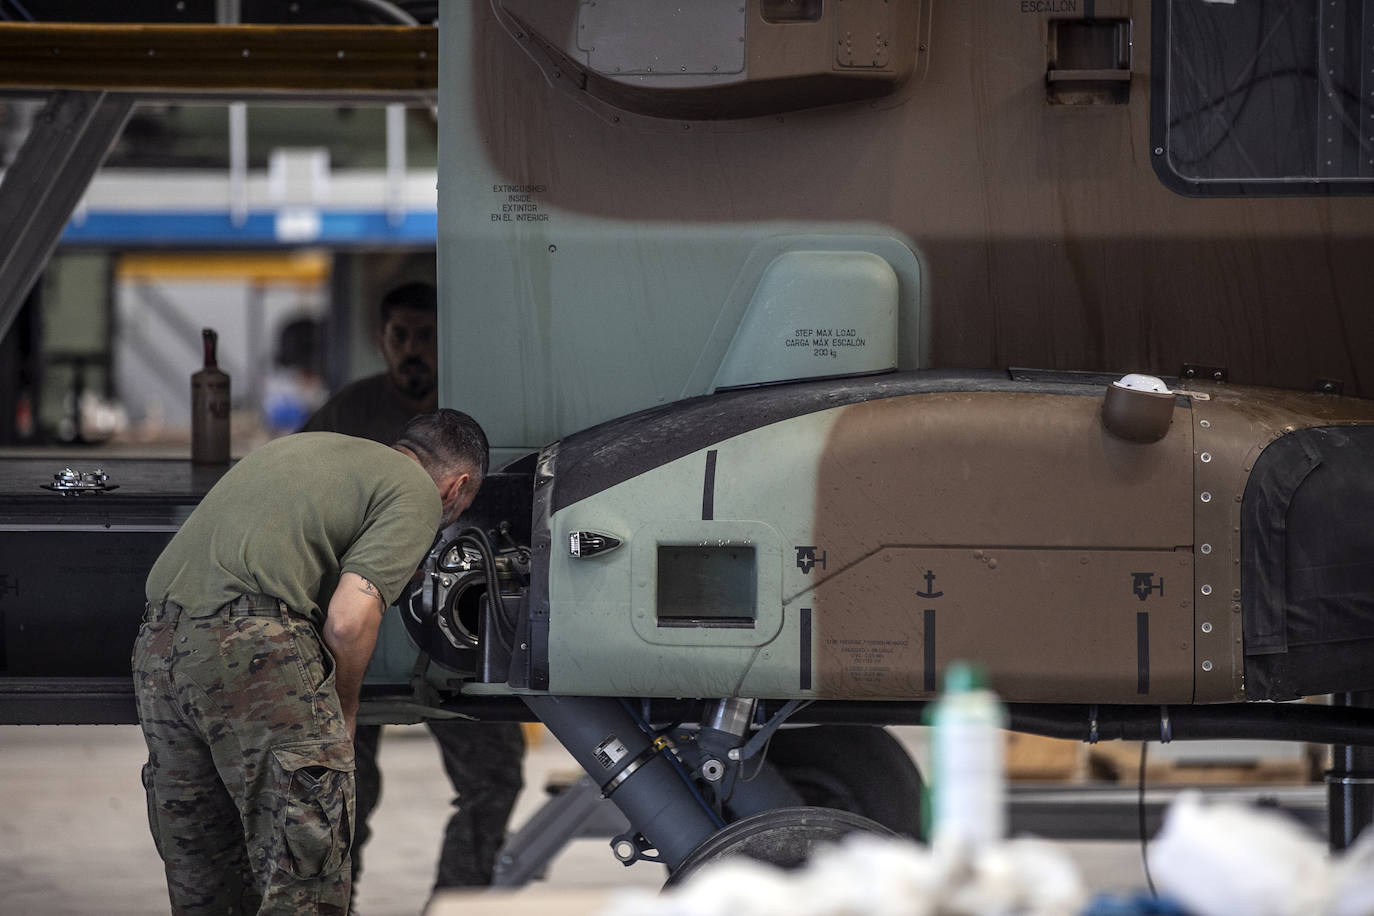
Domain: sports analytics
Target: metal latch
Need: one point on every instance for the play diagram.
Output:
(590, 543)
(74, 483)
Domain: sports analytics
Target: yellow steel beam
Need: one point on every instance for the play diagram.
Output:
(219, 58)
(308, 268)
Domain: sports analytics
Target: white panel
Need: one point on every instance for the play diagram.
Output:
(816, 314)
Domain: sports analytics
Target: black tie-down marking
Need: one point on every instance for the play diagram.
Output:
(708, 488)
(804, 665)
(1142, 652)
(928, 647)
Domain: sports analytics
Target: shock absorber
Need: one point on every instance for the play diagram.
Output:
(635, 771)
(725, 728)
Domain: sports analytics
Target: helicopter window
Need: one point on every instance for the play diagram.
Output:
(707, 586)
(1268, 97)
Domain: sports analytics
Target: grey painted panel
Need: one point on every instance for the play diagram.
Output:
(662, 36)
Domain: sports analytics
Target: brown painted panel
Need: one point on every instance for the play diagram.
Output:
(1232, 426)
(985, 469)
(1026, 522)
(1049, 625)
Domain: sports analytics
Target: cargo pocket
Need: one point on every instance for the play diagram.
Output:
(154, 822)
(317, 665)
(316, 824)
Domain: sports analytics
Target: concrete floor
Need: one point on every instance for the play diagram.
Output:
(74, 838)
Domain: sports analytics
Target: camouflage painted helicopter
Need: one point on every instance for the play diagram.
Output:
(704, 270)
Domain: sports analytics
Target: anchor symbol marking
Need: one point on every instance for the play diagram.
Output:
(930, 587)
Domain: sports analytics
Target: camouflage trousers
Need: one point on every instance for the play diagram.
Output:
(250, 768)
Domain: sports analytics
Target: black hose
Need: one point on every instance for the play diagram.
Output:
(1140, 822)
(1272, 721)
(478, 538)
(1081, 722)
(1353, 726)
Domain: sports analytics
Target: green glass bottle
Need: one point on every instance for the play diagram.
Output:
(209, 408)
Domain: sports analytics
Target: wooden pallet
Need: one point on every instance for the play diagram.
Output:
(1119, 761)
(1034, 758)
(534, 733)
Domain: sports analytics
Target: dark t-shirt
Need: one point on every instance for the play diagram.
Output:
(293, 516)
(368, 407)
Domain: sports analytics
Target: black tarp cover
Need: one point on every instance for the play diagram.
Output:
(1307, 545)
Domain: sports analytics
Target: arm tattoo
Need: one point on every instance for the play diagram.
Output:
(367, 588)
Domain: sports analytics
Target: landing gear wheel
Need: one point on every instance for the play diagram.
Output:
(858, 768)
(784, 837)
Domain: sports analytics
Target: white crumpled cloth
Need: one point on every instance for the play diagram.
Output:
(873, 876)
(1223, 859)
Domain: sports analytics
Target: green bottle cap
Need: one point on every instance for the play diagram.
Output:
(961, 677)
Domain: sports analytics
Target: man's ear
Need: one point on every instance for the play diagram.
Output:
(453, 487)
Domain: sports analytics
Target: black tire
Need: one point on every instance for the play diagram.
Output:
(862, 769)
(784, 837)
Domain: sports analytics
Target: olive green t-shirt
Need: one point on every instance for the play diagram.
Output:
(293, 516)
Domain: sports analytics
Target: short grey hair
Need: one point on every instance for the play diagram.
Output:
(446, 440)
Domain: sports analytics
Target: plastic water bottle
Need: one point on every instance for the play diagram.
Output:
(968, 794)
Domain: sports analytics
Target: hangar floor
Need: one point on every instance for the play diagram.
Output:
(74, 838)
